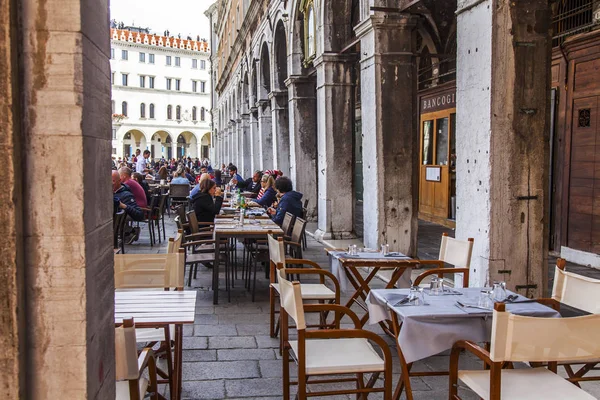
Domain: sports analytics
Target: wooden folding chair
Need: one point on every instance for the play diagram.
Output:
(582, 293)
(330, 352)
(517, 338)
(310, 291)
(294, 241)
(153, 271)
(452, 251)
(130, 381)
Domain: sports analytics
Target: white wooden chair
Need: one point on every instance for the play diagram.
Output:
(517, 338)
(582, 293)
(130, 382)
(310, 291)
(452, 251)
(329, 353)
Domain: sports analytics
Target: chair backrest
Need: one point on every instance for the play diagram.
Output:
(192, 221)
(456, 252)
(179, 190)
(175, 243)
(286, 225)
(162, 202)
(276, 250)
(118, 220)
(298, 230)
(181, 213)
(146, 271)
(291, 301)
(522, 339)
(126, 359)
(575, 290)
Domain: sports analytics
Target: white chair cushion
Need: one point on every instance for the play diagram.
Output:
(143, 335)
(339, 356)
(122, 389)
(312, 291)
(525, 384)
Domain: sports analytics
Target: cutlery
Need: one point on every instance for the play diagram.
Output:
(471, 306)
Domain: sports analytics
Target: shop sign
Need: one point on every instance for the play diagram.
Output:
(438, 102)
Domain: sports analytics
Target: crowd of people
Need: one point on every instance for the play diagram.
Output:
(268, 189)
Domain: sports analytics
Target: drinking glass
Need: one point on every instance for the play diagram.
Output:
(354, 249)
(486, 298)
(385, 249)
(499, 291)
(416, 296)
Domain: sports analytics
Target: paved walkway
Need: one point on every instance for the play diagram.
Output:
(228, 353)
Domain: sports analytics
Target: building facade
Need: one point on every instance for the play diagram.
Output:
(385, 114)
(161, 90)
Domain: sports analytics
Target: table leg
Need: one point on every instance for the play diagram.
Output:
(178, 361)
(215, 277)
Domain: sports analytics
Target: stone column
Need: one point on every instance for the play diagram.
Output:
(266, 134)
(503, 67)
(246, 150)
(303, 139)
(281, 133)
(57, 246)
(334, 145)
(254, 140)
(174, 150)
(235, 144)
(389, 129)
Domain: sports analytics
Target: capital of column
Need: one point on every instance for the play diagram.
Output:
(279, 99)
(333, 58)
(380, 20)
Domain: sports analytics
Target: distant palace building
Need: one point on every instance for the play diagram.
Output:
(160, 94)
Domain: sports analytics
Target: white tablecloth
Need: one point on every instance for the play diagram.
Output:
(429, 330)
(338, 270)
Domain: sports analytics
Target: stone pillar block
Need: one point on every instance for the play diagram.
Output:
(254, 140)
(303, 139)
(335, 91)
(266, 134)
(389, 129)
(281, 134)
(246, 150)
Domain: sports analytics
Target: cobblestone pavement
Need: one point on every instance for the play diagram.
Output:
(228, 353)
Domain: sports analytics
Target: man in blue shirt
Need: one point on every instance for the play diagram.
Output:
(290, 201)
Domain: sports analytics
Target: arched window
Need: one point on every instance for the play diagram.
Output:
(169, 112)
(194, 114)
(152, 111)
(124, 108)
(202, 114)
(143, 110)
(178, 113)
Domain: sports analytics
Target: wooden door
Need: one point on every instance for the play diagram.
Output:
(583, 227)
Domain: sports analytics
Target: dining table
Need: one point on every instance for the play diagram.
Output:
(441, 320)
(229, 230)
(348, 269)
(158, 309)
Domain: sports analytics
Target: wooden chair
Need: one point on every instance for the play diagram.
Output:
(149, 218)
(310, 291)
(304, 217)
(330, 352)
(118, 225)
(294, 241)
(287, 224)
(525, 339)
(452, 251)
(582, 293)
(153, 271)
(179, 194)
(130, 382)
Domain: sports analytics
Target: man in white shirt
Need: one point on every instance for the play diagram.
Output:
(141, 165)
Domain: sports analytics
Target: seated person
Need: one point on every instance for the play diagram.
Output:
(139, 178)
(179, 178)
(252, 184)
(235, 177)
(205, 207)
(196, 188)
(290, 201)
(268, 192)
(217, 179)
(134, 187)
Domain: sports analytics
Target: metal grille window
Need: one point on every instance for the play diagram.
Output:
(572, 17)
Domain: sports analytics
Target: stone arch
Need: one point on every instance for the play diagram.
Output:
(205, 144)
(131, 140)
(187, 145)
(265, 72)
(280, 52)
(160, 144)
